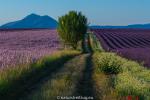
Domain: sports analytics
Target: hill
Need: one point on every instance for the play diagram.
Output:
(32, 21)
(133, 26)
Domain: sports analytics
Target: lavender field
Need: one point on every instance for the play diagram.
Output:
(130, 43)
(24, 46)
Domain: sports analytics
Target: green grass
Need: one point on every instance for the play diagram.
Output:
(133, 80)
(95, 44)
(102, 82)
(62, 83)
(14, 81)
(91, 43)
(126, 85)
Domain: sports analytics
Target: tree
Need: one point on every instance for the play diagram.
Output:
(72, 27)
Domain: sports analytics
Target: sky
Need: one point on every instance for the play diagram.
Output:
(99, 12)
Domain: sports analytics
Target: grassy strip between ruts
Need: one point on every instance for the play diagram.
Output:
(91, 43)
(14, 81)
(62, 83)
(132, 80)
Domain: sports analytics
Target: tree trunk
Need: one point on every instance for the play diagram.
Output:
(83, 44)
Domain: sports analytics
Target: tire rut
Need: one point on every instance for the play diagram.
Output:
(85, 85)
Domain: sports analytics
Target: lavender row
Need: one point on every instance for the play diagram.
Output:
(124, 38)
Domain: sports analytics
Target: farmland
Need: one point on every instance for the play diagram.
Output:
(130, 43)
(43, 71)
(25, 46)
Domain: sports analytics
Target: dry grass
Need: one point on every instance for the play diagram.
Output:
(62, 83)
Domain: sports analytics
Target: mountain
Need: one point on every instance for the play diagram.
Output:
(134, 26)
(32, 21)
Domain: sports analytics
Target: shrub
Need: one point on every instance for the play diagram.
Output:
(72, 27)
(108, 63)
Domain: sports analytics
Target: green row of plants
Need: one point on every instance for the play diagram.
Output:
(91, 43)
(95, 44)
(16, 80)
(121, 76)
(62, 83)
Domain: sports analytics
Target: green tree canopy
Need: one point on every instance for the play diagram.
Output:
(72, 27)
